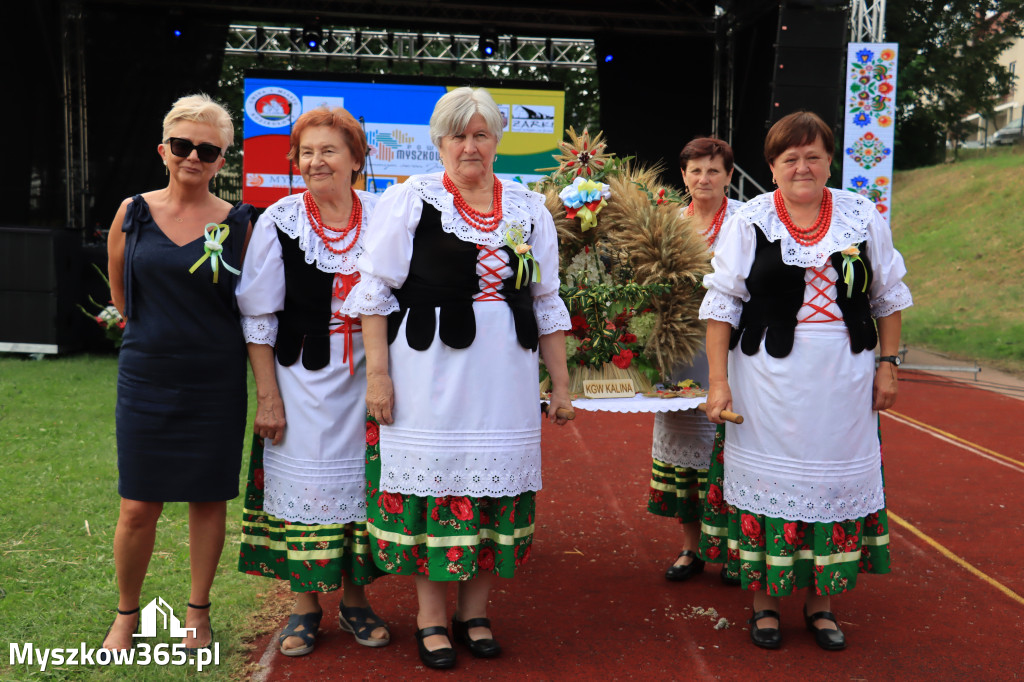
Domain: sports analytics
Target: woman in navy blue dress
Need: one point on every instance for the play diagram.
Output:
(181, 385)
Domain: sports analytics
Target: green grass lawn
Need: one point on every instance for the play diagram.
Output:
(58, 503)
(959, 227)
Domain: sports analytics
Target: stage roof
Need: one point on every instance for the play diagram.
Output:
(527, 17)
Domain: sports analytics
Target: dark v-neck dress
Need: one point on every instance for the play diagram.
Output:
(181, 384)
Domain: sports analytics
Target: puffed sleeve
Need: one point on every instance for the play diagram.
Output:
(384, 264)
(548, 307)
(727, 283)
(260, 289)
(888, 292)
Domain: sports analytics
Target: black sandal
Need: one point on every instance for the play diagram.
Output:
(193, 650)
(122, 613)
(361, 621)
(310, 624)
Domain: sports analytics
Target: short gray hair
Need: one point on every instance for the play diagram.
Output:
(201, 108)
(453, 111)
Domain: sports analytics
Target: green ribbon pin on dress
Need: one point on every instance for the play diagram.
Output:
(514, 239)
(212, 248)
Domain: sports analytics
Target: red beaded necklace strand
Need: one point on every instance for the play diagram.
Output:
(485, 222)
(355, 221)
(817, 231)
(711, 234)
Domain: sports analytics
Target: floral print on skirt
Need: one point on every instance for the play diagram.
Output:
(444, 538)
(312, 557)
(677, 492)
(778, 555)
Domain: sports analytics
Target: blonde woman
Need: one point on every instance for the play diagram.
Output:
(174, 255)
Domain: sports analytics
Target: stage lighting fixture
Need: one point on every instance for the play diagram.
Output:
(608, 58)
(176, 33)
(312, 37)
(488, 43)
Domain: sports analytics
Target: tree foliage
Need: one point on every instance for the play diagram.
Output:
(948, 69)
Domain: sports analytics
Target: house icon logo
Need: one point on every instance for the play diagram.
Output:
(159, 610)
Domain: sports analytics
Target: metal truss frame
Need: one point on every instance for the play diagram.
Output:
(73, 91)
(573, 53)
(867, 21)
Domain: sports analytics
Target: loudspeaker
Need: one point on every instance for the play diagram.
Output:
(656, 95)
(40, 279)
(809, 61)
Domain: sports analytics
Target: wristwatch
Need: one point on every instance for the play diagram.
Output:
(894, 359)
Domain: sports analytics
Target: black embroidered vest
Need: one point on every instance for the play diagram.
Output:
(442, 274)
(304, 324)
(777, 293)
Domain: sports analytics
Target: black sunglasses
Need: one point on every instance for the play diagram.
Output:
(206, 152)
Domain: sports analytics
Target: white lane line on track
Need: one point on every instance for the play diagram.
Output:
(1011, 464)
(266, 661)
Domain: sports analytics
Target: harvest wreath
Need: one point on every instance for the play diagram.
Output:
(631, 270)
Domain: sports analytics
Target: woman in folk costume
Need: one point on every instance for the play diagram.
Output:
(682, 443)
(305, 512)
(801, 277)
(459, 289)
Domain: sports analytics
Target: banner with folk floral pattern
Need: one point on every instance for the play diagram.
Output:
(869, 129)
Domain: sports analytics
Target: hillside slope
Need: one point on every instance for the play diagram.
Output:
(961, 229)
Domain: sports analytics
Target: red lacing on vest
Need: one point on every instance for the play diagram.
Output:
(817, 306)
(343, 285)
(490, 280)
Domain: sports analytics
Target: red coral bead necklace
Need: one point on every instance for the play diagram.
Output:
(355, 222)
(808, 236)
(711, 234)
(483, 221)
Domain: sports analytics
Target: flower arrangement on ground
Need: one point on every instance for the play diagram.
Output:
(631, 266)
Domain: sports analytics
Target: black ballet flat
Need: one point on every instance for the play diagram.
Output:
(680, 573)
(766, 638)
(827, 639)
(440, 659)
(481, 648)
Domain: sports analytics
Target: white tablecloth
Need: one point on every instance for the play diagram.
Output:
(637, 403)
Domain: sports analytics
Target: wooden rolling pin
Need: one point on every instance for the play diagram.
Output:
(726, 414)
(568, 414)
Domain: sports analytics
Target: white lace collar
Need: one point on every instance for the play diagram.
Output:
(851, 215)
(289, 214)
(519, 207)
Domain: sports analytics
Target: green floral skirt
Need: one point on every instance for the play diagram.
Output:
(311, 557)
(777, 555)
(677, 492)
(444, 538)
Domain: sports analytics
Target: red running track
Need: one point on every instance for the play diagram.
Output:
(592, 602)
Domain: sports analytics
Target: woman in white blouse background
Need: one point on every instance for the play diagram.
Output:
(459, 289)
(801, 277)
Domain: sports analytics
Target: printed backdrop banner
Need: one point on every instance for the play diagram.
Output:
(396, 118)
(869, 129)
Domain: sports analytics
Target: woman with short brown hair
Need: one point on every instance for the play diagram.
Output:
(801, 278)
